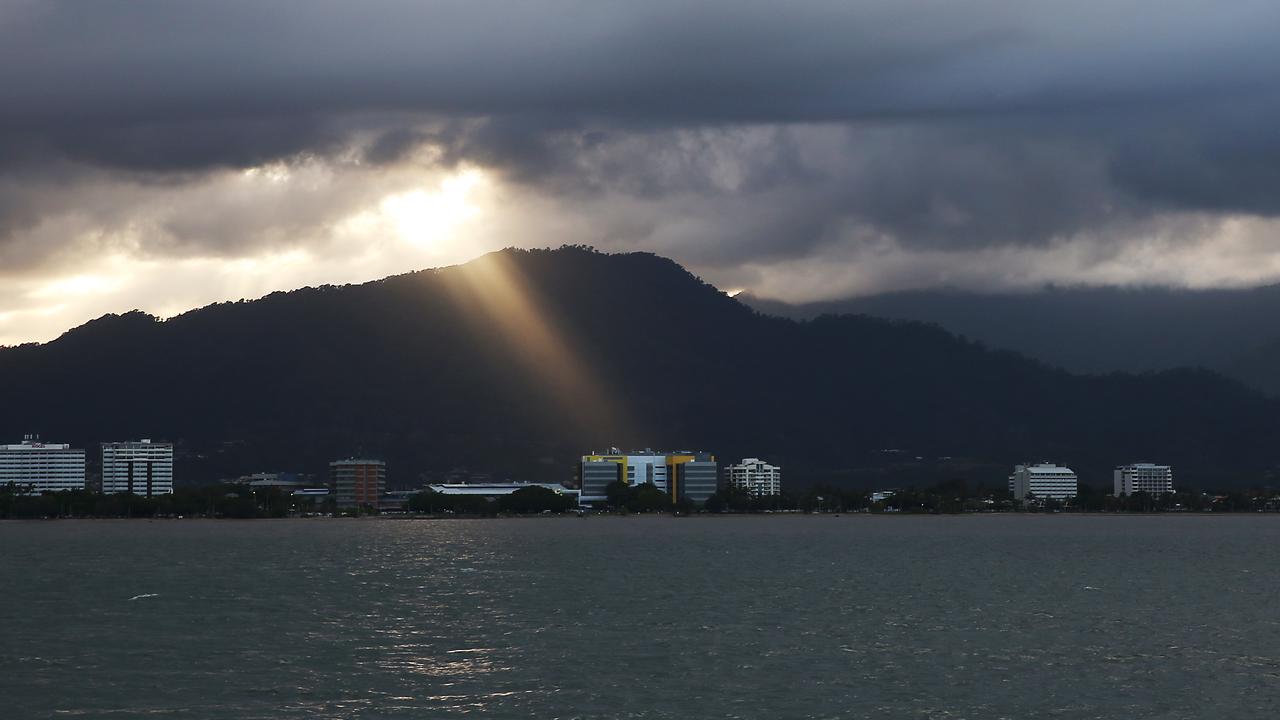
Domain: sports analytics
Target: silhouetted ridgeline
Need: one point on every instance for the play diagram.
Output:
(522, 360)
(1095, 330)
(1259, 367)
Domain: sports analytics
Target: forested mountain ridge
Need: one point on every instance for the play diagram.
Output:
(1092, 330)
(518, 362)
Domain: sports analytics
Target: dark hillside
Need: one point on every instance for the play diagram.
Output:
(1091, 330)
(520, 361)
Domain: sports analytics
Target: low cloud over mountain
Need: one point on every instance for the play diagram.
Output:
(162, 155)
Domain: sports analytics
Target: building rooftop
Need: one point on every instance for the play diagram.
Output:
(494, 488)
(647, 452)
(1047, 469)
(36, 445)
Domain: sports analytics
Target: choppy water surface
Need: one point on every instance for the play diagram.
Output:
(819, 617)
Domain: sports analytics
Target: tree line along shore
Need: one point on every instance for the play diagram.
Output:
(949, 497)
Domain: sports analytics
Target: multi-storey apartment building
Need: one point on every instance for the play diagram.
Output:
(1042, 481)
(141, 468)
(358, 483)
(1142, 477)
(755, 476)
(35, 467)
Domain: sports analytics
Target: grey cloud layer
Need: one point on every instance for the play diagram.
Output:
(722, 132)
(68, 69)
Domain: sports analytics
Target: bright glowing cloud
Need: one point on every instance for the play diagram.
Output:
(423, 217)
(308, 223)
(834, 149)
(76, 286)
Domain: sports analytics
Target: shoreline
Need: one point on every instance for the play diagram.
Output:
(619, 516)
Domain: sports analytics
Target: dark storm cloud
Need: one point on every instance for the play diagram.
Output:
(68, 65)
(110, 62)
(957, 124)
(1225, 158)
(178, 145)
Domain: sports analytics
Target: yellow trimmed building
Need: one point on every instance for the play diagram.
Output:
(681, 474)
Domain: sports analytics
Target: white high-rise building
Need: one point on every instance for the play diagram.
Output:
(36, 467)
(755, 476)
(1142, 477)
(142, 468)
(1042, 481)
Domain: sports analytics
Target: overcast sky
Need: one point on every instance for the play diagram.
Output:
(163, 155)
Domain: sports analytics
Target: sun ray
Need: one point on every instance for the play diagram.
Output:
(494, 287)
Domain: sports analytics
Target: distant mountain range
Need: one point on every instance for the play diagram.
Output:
(518, 362)
(1095, 330)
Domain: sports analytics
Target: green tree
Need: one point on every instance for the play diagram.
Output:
(618, 494)
(534, 499)
(648, 498)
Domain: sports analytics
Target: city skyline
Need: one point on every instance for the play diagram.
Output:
(639, 358)
(365, 478)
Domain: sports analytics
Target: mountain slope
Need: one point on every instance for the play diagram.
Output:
(1258, 367)
(520, 361)
(1090, 330)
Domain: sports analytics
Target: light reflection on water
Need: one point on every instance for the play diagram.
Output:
(975, 617)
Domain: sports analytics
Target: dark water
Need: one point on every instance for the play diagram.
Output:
(771, 617)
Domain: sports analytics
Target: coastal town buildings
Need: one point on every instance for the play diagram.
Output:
(35, 467)
(755, 476)
(1043, 481)
(1142, 477)
(142, 468)
(683, 474)
(358, 483)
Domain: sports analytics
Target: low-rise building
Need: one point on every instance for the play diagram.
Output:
(755, 476)
(493, 491)
(34, 467)
(283, 481)
(142, 468)
(1142, 477)
(1043, 481)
